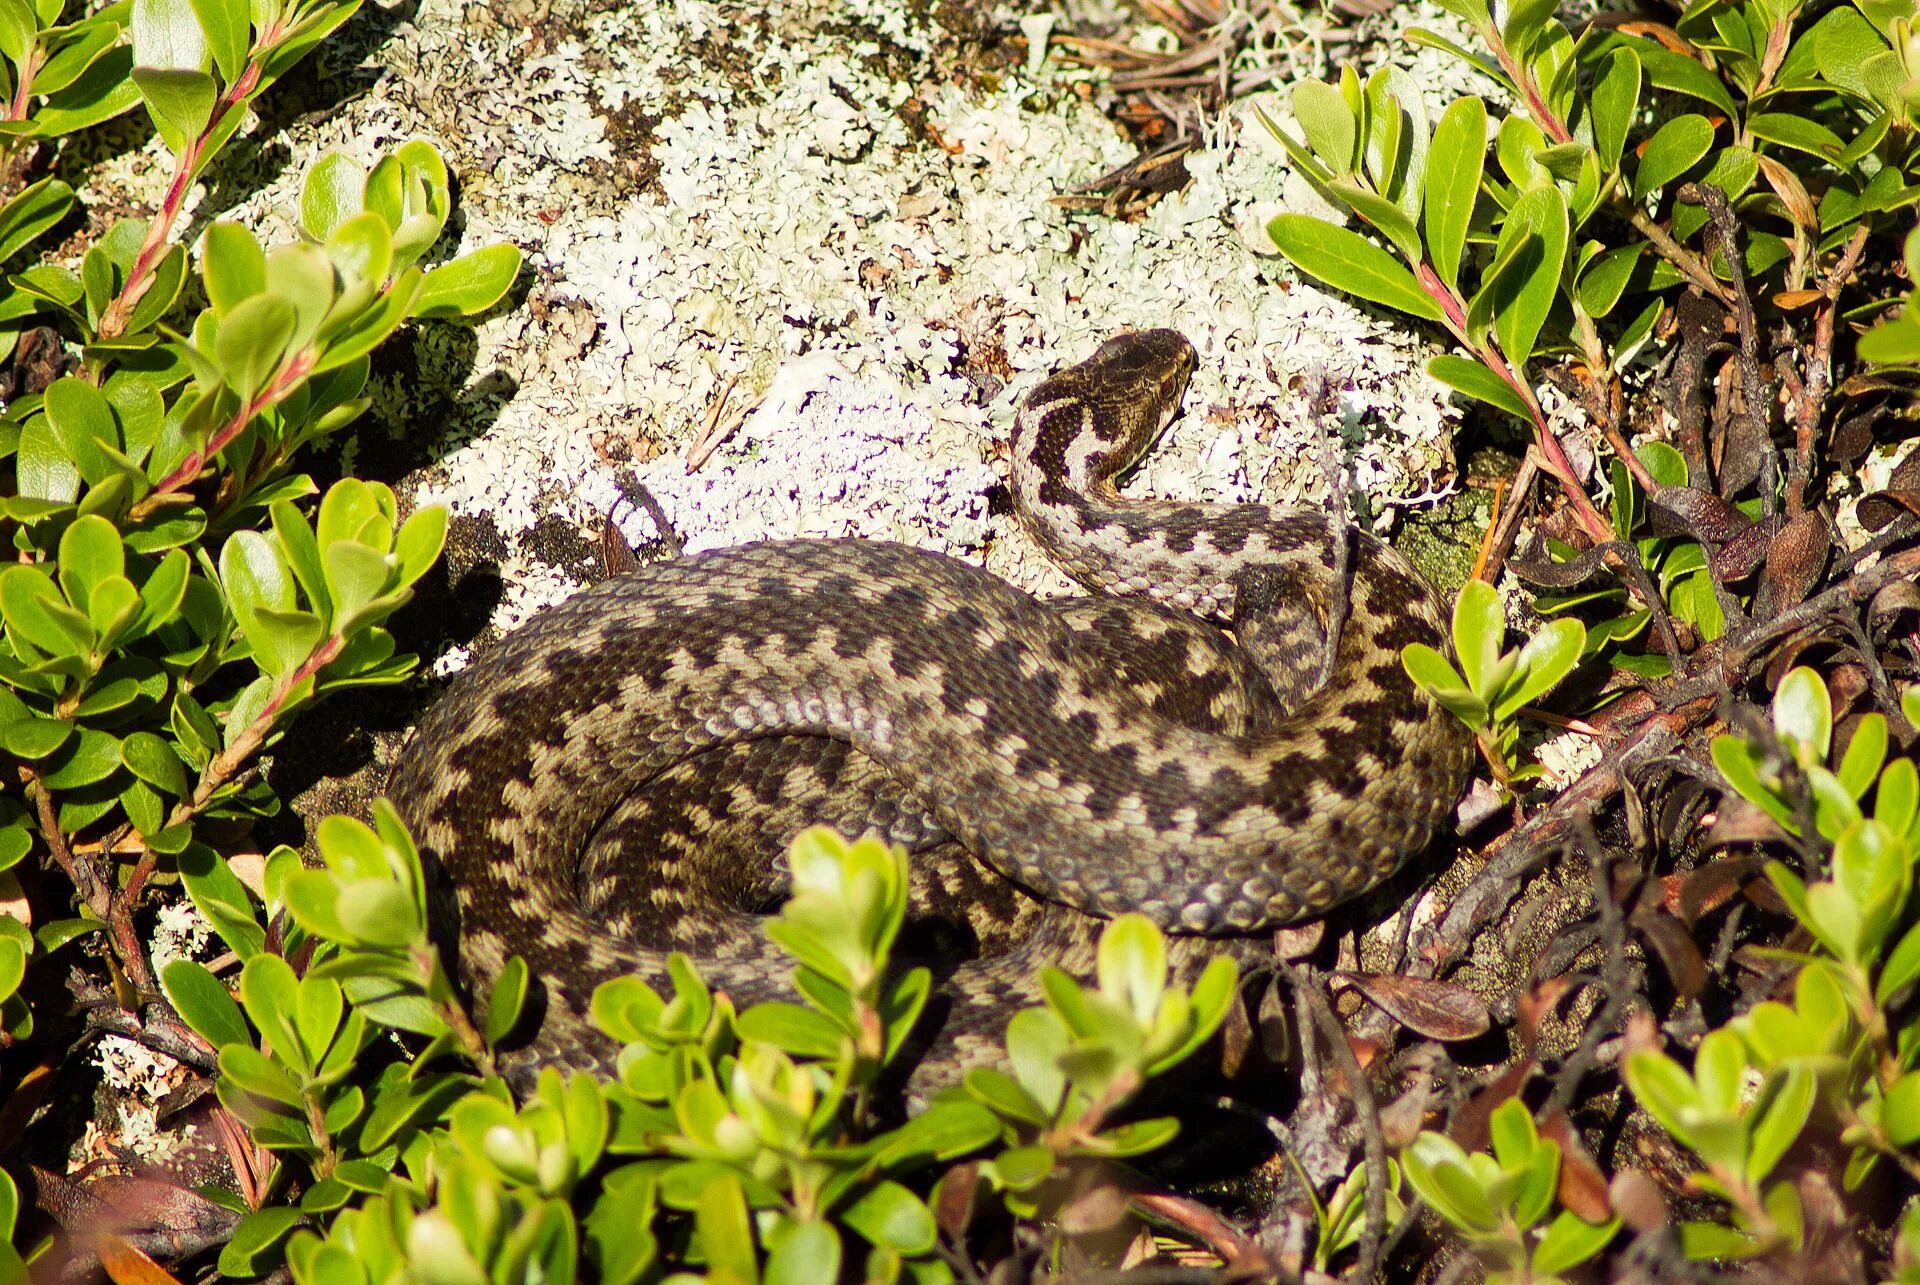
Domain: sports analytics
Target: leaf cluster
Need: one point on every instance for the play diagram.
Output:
(740, 1144)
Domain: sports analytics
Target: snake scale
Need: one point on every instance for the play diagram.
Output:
(620, 777)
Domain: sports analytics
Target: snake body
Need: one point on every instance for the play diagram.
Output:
(619, 777)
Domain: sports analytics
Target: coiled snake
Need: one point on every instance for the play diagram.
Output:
(620, 777)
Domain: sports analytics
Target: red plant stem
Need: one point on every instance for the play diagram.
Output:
(188, 469)
(113, 321)
(1552, 453)
(119, 910)
(23, 93)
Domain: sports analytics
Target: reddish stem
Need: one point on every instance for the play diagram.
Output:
(188, 469)
(113, 321)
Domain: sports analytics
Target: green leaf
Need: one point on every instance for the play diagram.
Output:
(1437, 1170)
(1683, 75)
(357, 577)
(1797, 133)
(334, 192)
(1548, 657)
(1023, 1168)
(167, 36)
(162, 290)
(802, 1032)
(82, 422)
(233, 266)
(507, 1000)
(1348, 261)
(104, 90)
(805, 1253)
(1438, 678)
(1900, 1110)
(1132, 965)
(419, 541)
(150, 758)
(86, 42)
(219, 895)
(888, 1214)
(205, 1004)
(179, 101)
(1665, 1090)
(37, 208)
(1779, 1125)
(1456, 161)
(226, 24)
(1605, 280)
(254, 1249)
(254, 1072)
(35, 738)
(18, 30)
(1479, 627)
(252, 339)
(89, 758)
(1001, 1093)
(1524, 22)
(13, 967)
(720, 1223)
(1675, 148)
(470, 284)
(1328, 124)
(1472, 379)
(1614, 99)
(1535, 233)
(91, 556)
(1866, 751)
(1569, 1241)
(271, 996)
(1803, 715)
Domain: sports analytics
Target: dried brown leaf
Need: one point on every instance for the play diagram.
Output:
(1710, 886)
(1741, 556)
(1796, 556)
(1879, 509)
(1583, 1188)
(1679, 956)
(1793, 195)
(126, 1265)
(1535, 1005)
(1687, 510)
(953, 1205)
(1469, 1126)
(1436, 1009)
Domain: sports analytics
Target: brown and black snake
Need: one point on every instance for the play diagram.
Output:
(620, 777)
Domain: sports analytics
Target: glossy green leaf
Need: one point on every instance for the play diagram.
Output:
(1348, 261)
(470, 284)
(205, 1004)
(889, 1214)
(1614, 99)
(1605, 280)
(1472, 379)
(1676, 147)
(1456, 161)
(252, 340)
(179, 101)
(1797, 133)
(1803, 715)
(1535, 234)
(1327, 123)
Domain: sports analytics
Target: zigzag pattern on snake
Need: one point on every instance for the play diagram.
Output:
(620, 777)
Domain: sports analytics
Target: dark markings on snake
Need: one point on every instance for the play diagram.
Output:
(656, 796)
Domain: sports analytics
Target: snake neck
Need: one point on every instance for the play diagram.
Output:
(1082, 429)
